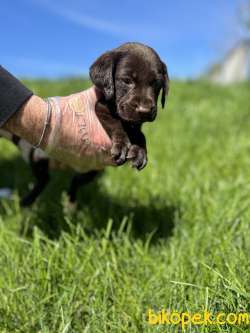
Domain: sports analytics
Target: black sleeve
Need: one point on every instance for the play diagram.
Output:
(13, 94)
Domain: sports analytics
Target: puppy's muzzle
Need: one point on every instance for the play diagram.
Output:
(146, 113)
(137, 113)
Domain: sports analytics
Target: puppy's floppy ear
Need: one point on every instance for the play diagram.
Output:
(165, 84)
(102, 73)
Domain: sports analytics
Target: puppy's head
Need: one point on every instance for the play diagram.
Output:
(132, 76)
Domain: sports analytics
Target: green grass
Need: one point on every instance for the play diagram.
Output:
(174, 236)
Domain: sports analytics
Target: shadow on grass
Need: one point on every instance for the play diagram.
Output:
(15, 174)
(94, 207)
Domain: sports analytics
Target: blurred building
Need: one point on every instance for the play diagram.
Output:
(235, 67)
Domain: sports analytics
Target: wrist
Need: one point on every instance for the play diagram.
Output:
(28, 122)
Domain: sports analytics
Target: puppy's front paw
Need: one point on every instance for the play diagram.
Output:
(119, 153)
(138, 157)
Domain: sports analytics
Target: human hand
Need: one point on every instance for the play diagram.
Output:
(74, 135)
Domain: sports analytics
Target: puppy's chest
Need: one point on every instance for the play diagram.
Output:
(29, 153)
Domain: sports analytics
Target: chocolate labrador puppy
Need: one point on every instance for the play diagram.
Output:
(130, 77)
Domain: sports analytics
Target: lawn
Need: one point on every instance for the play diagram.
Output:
(175, 236)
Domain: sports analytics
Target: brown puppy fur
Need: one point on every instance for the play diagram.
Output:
(131, 77)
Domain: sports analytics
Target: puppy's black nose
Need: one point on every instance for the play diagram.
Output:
(147, 112)
(146, 108)
(142, 109)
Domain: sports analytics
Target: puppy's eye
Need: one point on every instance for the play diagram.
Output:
(127, 80)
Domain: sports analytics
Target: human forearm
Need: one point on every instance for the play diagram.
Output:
(32, 115)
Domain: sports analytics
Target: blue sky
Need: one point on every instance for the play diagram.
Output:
(56, 38)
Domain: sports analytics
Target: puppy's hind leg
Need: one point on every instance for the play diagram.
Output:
(40, 171)
(78, 180)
